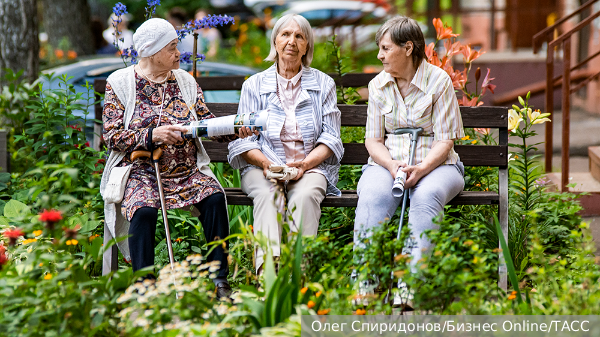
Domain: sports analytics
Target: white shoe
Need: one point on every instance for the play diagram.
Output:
(366, 290)
(403, 298)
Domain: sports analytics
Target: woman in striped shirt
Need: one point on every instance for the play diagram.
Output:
(303, 131)
(408, 93)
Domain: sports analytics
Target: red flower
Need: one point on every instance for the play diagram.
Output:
(3, 259)
(13, 235)
(2, 249)
(76, 146)
(50, 216)
(100, 161)
(442, 32)
(87, 144)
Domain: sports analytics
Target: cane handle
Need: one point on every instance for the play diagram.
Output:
(146, 154)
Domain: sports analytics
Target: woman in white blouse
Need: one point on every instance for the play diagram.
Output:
(303, 131)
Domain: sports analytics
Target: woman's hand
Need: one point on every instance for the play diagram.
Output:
(301, 166)
(168, 134)
(393, 166)
(265, 166)
(245, 131)
(413, 175)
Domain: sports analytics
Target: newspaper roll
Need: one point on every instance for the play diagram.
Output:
(398, 186)
(227, 125)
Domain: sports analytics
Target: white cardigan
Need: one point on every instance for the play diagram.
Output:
(122, 82)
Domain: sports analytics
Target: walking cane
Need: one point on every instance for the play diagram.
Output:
(155, 156)
(414, 133)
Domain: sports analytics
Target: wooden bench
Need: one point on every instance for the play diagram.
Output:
(356, 154)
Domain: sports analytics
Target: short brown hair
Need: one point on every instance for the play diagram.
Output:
(403, 29)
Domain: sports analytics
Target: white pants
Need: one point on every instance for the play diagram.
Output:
(304, 198)
(427, 200)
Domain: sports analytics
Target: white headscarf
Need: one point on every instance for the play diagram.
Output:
(152, 36)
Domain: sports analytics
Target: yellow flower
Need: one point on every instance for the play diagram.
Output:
(323, 311)
(512, 297)
(536, 117)
(48, 277)
(68, 242)
(360, 311)
(74, 242)
(311, 304)
(41, 264)
(29, 241)
(465, 138)
(514, 119)
(318, 294)
(474, 142)
(475, 259)
(38, 232)
(304, 290)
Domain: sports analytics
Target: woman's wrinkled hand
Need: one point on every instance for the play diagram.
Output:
(300, 166)
(413, 175)
(168, 134)
(393, 167)
(245, 131)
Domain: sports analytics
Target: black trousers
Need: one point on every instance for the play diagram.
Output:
(213, 216)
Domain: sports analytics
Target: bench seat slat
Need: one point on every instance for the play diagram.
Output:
(350, 198)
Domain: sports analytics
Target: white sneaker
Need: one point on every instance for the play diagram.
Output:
(403, 298)
(366, 290)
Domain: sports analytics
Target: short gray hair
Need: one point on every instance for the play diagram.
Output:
(403, 29)
(306, 29)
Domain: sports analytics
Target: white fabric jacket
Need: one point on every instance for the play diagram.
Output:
(123, 83)
(317, 114)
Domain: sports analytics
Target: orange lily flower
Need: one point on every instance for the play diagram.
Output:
(442, 32)
(429, 51)
(452, 48)
(464, 101)
(470, 54)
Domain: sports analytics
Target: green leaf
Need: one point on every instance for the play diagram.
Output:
(3, 222)
(14, 209)
(509, 262)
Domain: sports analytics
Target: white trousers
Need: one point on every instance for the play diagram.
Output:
(303, 197)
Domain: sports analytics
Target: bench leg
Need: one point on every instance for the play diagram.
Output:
(503, 219)
(109, 258)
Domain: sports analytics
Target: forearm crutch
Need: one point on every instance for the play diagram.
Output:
(155, 156)
(414, 133)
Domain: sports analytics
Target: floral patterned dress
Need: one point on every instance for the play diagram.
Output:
(183, 183)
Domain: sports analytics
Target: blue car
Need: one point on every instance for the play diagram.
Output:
(100, 68)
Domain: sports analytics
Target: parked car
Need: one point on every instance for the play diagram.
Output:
(356, 21)
(86, 71)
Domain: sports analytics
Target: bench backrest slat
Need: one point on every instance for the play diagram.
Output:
(356, 115)
(356, 154)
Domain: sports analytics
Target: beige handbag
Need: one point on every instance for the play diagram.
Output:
(117, 181)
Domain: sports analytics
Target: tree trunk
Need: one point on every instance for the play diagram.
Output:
(19, 43)
(69, 19)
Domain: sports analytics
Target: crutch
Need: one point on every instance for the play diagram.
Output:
(414, 133)
(155, 156)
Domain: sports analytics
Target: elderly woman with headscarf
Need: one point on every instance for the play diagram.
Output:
(144, 107)
(408, 93)
(303, 131)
